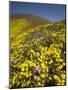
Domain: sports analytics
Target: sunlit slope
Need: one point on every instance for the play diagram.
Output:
(23, 22)
(20, 31)
(38, 56)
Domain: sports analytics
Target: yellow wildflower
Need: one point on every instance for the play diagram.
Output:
(40, 59)
(30, 74)
(21, 73)
(63, 82)
(55, 77)
(49, 78)
(28, 82)
(32, 51)
(37, 54)
(13, 81)
(33, 64)
(54, 34)
(42, 49)
(42, 65)
(51, 61)
(60, 67)
(22, 69)
(59, 60)
(25, 64)
(63, 64)
(39, 84)
(27, 75)
(42, 75)
(63, 76)
(42, 56)
(38, 79)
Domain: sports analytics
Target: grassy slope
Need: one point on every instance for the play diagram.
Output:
(20, 23)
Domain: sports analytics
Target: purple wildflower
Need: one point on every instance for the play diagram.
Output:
(35, 77)
(54, 69)
(14, 62)
(37, 69)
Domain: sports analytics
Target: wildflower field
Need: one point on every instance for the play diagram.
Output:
(37, 54)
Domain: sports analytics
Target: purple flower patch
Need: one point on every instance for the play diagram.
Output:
(35, 77)
(37, 69)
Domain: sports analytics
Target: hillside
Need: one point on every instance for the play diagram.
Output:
(29, 17)
(37, 52)
(23, 22)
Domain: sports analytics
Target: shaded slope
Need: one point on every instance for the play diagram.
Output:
(35, 20)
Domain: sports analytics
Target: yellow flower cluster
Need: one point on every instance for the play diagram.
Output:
(38, 59)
